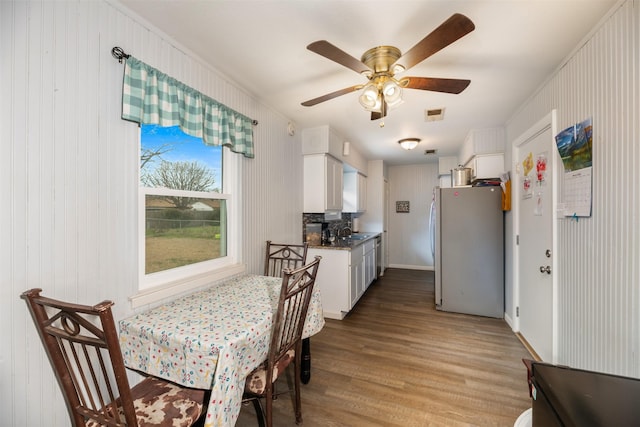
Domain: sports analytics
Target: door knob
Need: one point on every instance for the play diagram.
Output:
(546, 269)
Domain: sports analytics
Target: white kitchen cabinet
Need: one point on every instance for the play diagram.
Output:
(486, 165)
(355, 192)
(356, 286)
(322, 183)
(369, 263)
(335, 280)
(321, 140)
(344, 276)
(324, 140)
(483, 141)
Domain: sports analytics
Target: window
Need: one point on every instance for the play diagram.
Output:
(184, 206)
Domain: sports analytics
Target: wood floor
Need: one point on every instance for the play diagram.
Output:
(396, 361)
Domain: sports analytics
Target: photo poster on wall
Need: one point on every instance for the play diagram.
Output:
(575, 148)
(402, 206)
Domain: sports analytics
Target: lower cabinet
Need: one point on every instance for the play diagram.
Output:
(369, 262)
(356, 286)
(344, 276)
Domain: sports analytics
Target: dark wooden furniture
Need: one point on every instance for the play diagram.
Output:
(82, 345)
(280, 256)
(286, 340)
(565, 396)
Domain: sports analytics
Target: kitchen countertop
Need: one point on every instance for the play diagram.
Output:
(348, 243)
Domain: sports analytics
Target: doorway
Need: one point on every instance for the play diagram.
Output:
(535, 219)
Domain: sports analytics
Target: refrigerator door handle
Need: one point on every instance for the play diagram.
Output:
(435, 219)
(432, 229)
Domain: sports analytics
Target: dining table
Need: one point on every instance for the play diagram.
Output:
(211, 339)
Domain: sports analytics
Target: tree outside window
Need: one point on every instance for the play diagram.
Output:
(185, 210)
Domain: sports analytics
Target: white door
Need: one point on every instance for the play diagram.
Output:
(536, 163)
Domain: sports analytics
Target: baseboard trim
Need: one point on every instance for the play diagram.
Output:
(331, 315)
(411, 267)
(509, 321)
(530, 349)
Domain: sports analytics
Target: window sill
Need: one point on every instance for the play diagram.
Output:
(179, 287)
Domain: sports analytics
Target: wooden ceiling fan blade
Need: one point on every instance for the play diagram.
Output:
(435, 84)
(449, 31)
(329, 51)
(331, 95)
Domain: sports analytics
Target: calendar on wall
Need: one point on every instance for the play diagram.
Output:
(575, 148)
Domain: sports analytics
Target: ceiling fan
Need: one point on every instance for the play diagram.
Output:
(380, 65)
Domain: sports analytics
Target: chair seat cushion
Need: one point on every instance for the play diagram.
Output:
(161, 403)
(257, 380)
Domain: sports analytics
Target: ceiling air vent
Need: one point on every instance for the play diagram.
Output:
(430, 152)
(433, 115)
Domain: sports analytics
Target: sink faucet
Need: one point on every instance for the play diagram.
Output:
(345, 232)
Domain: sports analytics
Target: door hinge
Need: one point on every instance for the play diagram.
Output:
(517, 311)
(517, 239)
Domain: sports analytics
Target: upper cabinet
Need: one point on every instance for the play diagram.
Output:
(325, 140)
(486, 165)
(332, 165)
(355, 192)
(322, 183)
(483, 151)
(482, 141)
(321, 140)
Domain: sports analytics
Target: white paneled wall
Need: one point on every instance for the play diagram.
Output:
(272, 191)
(409, 232)
(482, 141)
(68, 175)
(599, 257)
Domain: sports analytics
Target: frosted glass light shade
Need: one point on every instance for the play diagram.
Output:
(392, 93)
(370, 98)
(409, 143)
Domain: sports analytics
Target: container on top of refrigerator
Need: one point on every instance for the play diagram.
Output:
(461, 176)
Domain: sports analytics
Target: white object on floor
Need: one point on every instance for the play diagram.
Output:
(525, 419)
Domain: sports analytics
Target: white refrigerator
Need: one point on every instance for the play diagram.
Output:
(467, 229)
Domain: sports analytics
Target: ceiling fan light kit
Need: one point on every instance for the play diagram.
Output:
(409, 143)
(384, 90)
(380, 65)
(370, 98)
(392, 92)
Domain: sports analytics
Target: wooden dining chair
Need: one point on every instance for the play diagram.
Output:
(283, 255)
(286, 340)
(286, 255)
(82, 345)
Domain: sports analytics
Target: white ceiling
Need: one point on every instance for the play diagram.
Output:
(261, 46)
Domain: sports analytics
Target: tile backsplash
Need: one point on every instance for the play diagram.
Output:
(334, 225)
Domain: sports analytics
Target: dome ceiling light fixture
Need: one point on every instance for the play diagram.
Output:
(409, 143)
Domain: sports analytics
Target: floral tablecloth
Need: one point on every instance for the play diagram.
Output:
(211, 339)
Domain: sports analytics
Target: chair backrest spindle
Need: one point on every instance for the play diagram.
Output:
(280, 256)
(82, 345)
(295, 295)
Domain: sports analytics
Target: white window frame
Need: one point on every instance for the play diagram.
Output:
(165, 284)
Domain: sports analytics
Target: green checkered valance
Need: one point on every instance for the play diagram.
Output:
(152, 97)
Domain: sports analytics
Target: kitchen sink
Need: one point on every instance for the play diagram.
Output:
(359, 236)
